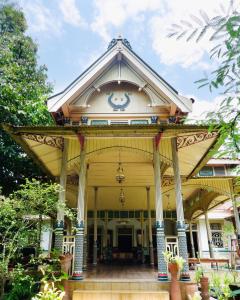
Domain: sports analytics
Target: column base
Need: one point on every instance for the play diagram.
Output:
(162, 277)
(77, 276)
(185, 277)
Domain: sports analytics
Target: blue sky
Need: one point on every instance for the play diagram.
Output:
(71, 34)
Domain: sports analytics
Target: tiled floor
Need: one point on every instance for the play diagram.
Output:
(122, 272)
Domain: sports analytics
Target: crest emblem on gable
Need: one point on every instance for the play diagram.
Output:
(119, 102)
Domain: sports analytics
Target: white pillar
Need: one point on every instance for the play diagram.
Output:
(151, 256)
(191, 239)
(61, 198)
(236, 216)
(95, 227)
(181, 228)
(79, 238)
(161, 244)
(142, 236)
(85, 244)
(209, 235)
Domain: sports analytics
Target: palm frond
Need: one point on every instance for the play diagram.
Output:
(197, 20)
(186, 23)
(192, 35)
(182, 34)
(204, 16)
(201, 34)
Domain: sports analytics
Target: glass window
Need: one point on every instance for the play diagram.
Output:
(133, 122)
(216, 226)
(206, 171)
(124, 214)
(219, 171)
(99, 122)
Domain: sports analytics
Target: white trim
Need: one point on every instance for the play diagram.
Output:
(88, 77)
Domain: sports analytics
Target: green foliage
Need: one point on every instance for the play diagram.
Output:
(50, 292)
(21, 214)
(219, 286)
(170, 258)
(23, 92)
(198, 274)
(22, 285)
(224, 32)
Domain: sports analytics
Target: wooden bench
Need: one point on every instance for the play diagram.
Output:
(216, 261)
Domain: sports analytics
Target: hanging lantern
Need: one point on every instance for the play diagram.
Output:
(120, 177)
(122, 197)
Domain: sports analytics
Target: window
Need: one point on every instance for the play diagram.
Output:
(216, 230)
(219, 171)
(119, 122)
(99, 122)
(206, 171)
(216, 226)
(133, 122)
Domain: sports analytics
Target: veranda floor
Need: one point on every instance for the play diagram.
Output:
(121, 272)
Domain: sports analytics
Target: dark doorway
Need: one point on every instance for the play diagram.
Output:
(124, 239)
(195, 241)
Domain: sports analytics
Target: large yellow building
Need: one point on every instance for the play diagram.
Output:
(127, 162)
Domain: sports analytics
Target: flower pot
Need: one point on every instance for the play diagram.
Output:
(204, 288)
(65, 261)
(175, 291)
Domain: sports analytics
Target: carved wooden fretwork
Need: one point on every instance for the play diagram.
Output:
(167, 181)
(188, 140)
(52, 141)
(72, 179)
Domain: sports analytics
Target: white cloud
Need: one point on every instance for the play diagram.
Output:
(114, 13)
(157, 16)
(170, 50)
(40, 18)
(71, 14)
(202, 107)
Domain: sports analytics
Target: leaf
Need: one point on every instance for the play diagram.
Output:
(191, 36)
(204, 16)
(197, 20)
(201, 34)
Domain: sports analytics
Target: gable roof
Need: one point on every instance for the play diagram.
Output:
(117, 47)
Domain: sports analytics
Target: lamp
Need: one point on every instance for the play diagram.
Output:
(120, 177)
(122, 197)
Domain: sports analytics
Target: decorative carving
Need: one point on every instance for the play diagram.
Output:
(188, 140)
(52, 141)
(154, 119)
(166, 181)
(126, 43)
(84, 120)
(72, 179)
(112, 43)
(119, 105)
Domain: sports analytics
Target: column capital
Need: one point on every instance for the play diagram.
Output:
(148, 188)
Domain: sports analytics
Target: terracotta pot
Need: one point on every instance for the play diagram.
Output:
(204, 288)
(175, 291)
(65, 261)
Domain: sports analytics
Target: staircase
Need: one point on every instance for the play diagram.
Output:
(92, 290)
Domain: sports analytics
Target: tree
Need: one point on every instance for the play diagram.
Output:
(224, 31)
(21, 216)
(23, 92)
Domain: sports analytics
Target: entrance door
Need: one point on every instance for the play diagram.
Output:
(125, 239)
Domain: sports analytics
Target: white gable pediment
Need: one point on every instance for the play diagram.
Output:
(119, 64)
(121, 73)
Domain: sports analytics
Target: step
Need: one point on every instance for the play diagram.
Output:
(119, 295)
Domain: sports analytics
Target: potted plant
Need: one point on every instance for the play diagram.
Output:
(175, 264)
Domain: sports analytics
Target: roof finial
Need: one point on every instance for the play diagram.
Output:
(122, 40)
